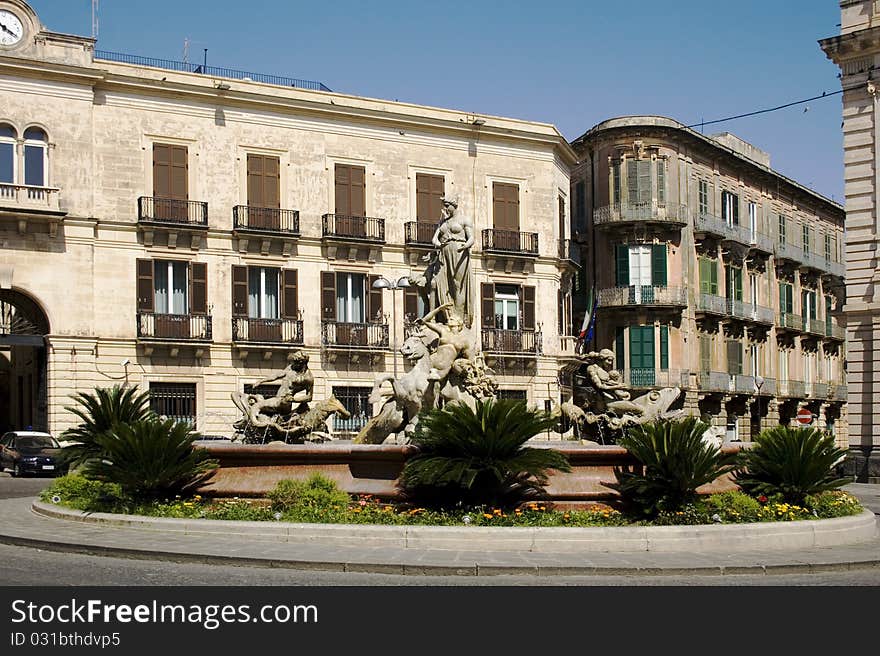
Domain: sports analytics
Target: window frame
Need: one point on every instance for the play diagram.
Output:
(13, 142)
(42, 145)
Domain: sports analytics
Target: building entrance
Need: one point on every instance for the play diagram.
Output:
(23, 398)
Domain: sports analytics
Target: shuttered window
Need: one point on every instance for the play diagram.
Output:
(661, 180)
(615, 182)
(641, 347)
(527, 295)
(806, 237)
(263, 181)
(786, 303)
(705, 352)
(734, 356)
(619, 347)
(703, 194)
(664, 347)
(170, 172)
(638, 181)
(808, 304)
(708, 276)
(172, 287)
(430, 190)
(658, 264)
(505, 206)
(562, 220)
(350, 188)
(621, 265)
(730, 208)
(734, 282)
(783, 225)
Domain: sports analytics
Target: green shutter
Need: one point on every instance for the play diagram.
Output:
(661, 180)
(622, 265)
(704, 275)
(705, 353)
(632, 182)
(641, 355)
(618, 347)
(658, 264)
(615, 182)
(713, 285)
(664, 347)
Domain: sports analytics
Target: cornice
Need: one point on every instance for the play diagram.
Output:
(854, 44)
(31, 68)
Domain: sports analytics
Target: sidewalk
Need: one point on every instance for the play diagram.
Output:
(20, 526)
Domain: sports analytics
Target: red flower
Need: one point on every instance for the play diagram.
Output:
(762, 499)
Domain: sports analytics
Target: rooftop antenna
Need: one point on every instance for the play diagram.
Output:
(95, 10)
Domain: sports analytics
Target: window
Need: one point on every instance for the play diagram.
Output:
(262, 293)
(266, 391)
(172, 291)
(828, 314)
(507, 307)
(806, 234)
(615, 182)
(174, 401)
(263, 181)
(638, 182)
(782, 229)
(350, 190)
(708, 276)
(430, 190)
(703, 196)
(753, 220)
(808, 304)
(7, 154)
(783, 364)
(171, 287)
(505, 206)
(661, 181)
(734, 356)
(350, 298)
(730, 208)
(786, 303)
(734, 282)
(705, 352)
(562, 216)
(828, 250)
(36, 150)
(511, 394)
(755, 360)
(753, 288)
(640, 265)
(355, 400)
(170, 172)
(642, 360)
(261, 298)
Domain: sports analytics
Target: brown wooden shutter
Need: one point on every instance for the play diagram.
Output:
(263, 179)
(255, 181)
(170, 171)
(239, 291)
(505, 204)
(145, 288)
(527, 294)
(374, 301)
(487, 304)
(410, 304)
(198, 285)
(350, 190)
(430, 190)
(328, 296)
(289, 300)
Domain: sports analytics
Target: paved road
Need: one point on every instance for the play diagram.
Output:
(27, 486)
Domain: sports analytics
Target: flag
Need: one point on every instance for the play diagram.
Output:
(589, 325)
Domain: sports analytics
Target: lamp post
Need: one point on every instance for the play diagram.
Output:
(383, 283)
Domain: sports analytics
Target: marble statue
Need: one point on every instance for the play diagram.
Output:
(286, 416)
(453, 240)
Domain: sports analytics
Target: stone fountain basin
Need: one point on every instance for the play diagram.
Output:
(253, 470)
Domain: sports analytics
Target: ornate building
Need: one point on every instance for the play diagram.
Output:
(713, 273)
(857, 52)
(183, 228)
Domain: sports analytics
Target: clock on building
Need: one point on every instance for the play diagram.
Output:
(11, 29)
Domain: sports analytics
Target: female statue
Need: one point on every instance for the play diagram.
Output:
(452, 282)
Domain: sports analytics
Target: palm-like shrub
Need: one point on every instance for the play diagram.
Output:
(150, 459)
(101, 412)
(476, 457)
(792, 463)
(675, 461)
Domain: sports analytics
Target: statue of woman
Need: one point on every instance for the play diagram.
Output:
(452, 283)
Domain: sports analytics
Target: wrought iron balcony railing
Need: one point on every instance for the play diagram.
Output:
(190, 213)
(29, 197)
(814, 327)
(174, 327)
(497, 340)
(267, 331)
(644, 295)
(672, 214)
(353, 228)
(510, 241)
(344, 334)
(713, 381)
(837, 392)
(792, 389)
(790, 321)
(742, 384)
(419, 233)
(711, 304)
(569, 251)
(648, 378)
(750, 312)
(266, 220)
(789, 252)
(833, 331)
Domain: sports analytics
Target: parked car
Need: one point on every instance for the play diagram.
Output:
(30, 452)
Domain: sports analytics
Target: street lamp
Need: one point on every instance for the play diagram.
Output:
(383, 283)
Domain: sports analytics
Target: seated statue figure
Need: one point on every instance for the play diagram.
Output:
(610, 394)
(293, 396)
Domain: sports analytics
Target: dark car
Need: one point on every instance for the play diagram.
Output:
(30, 452)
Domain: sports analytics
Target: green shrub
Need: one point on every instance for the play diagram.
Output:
(151, 459)
(78, 492)
(675, 461)
(478, 458)
(309, 498)
(833, 503)
(100, 412)
(790, 462)
(733, 506)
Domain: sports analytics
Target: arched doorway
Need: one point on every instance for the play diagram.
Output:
(23, 327)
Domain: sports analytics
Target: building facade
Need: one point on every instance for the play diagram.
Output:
(857, 52)
(713, 273)
(182, 229)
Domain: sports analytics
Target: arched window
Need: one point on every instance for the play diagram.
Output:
(35, 153)
(7, 154)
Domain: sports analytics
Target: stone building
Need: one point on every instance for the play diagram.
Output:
(713, 272)
(182, 228)
(857, 52)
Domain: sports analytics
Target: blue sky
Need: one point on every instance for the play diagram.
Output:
(567, 62)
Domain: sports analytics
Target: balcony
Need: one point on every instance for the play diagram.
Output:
(176, 213)
(267, 331)
(748, 312)
(711, 304)
(787, 321)
(835, 268)
(569, 252)
(346, 335)
(173, 328)
(23, 202)
(786, 252)
(516, 342)
(837, 392)
(265, 220)
(768, 387)
(654, 378)
(834, 332)
(792, 389)
(643, 296)
(344, 227)
(510, 242)
(817, 390)
(418, 234)
(813, 261)
(741, 384)
(760, 242)
(814, 327)
(713, 381)
(672, 215)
